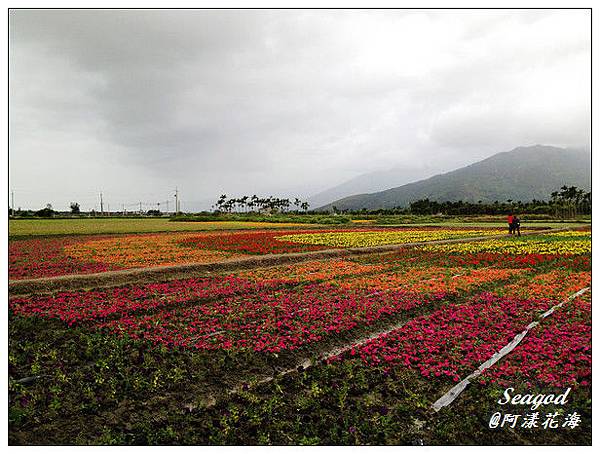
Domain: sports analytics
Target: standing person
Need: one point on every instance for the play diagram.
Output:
(516, 225)
(510, 223)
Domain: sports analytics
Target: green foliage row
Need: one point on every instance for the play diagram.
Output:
(96, 389)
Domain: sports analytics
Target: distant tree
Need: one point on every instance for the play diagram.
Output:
(297, 203)
(570, 200)
(271, 203)
(284, 204)
(263, 204)
(221, 202)
(587, 202)
(254, 202)
(45, 212)
(229, 204)
(75, 208)
(243, 201)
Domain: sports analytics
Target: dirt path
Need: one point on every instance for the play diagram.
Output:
(166, 273)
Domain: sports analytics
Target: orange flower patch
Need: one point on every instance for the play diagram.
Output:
(310, 271)
(144, 251)
(557, 284)
(432, 280)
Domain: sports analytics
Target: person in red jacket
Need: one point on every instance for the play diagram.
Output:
(510, 219)
(516, 225)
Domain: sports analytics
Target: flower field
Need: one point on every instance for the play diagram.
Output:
(455, 339)
(378, 238)
(558, 354)
(224, 358)
(48, 257)
(269, 321)
(553, 244)
(143, 251)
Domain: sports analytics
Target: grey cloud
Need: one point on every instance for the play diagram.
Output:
(283, 101)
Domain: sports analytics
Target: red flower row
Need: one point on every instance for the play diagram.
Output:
(454, 340)
(557, 352)
(73, 307)
(487, 259)
(45, 257)
(252, 242)
(267, 320)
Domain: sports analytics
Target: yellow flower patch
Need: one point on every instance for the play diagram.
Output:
(571, 234)
(522, 246)
(382, 237)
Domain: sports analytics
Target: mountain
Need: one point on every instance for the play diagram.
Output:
(525, 173)
(371, 182)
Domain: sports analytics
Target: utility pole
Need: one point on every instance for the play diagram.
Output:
(101, 205)
(108, 208)
(176, 201)
(124, 212)
(167, 206)
(140, 208)
(12, 202)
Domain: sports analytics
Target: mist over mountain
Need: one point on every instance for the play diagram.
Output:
(524, 173)
(371, 182)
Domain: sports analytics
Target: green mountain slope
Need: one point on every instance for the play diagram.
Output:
(524, 173)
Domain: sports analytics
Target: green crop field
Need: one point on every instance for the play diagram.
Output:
(90, 226)
(42, 227)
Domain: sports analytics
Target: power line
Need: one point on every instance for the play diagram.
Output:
(95, 202)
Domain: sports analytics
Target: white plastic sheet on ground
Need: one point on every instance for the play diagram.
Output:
(451, 395)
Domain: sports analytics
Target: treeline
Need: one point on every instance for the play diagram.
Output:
(46, 212)
(254, 203)
(49, 212)
(566, 203)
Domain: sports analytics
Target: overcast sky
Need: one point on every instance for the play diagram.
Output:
(134, 103)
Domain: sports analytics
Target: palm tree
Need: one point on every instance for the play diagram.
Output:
(262, 203)
(243, 202)
(221, 202)
(229, 205)
(285, 204)
(254, 201)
